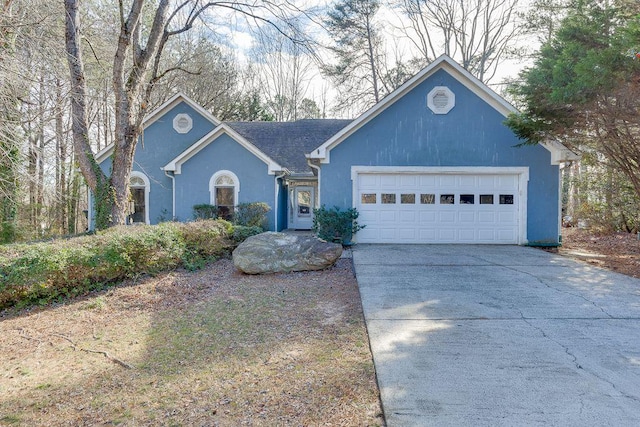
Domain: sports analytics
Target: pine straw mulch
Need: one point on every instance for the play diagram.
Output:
(210, 348)
(618, 252)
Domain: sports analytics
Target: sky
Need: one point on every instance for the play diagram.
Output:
(241, 40)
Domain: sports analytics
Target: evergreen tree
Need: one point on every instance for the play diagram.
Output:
(357, 49)
(584, 88)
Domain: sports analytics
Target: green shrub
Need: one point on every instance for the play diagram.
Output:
(40, 273)
(8, 232)
(336, 225)
(205, 241)
(241, 233)
(205, 211)
(252, 215)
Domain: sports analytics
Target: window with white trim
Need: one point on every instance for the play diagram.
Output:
(138, 198)
(224, 187)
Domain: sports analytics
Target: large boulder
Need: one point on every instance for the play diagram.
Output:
(273, 252)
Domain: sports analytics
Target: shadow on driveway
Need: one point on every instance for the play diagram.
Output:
(484, 335)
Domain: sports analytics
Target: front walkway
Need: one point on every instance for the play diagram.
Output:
(499, 336)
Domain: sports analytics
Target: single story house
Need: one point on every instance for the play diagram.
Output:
(432, 162)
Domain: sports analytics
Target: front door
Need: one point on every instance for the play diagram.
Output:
(303, 205)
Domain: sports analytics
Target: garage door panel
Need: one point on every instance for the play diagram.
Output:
(486, 235)
(487, 183)
(467, 181)
(388, 181)
(408, 181)
(427, 235)
(446, 235)
(507, 182)
(486, 217)
(368, 181)
(388, 234)
(427, 217)
(467, 235)
(507, 217)
(447, 217)
(447, 181)
(408, 216)
(467, 217)
(506, 235)
(368, 216)
(388, 216)
(407, 234)
(410, 208)
(428, 181)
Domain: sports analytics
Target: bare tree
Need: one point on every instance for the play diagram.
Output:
(283, 71)
(29, 70)
(209, 74)
(136, 69)
(477, 33)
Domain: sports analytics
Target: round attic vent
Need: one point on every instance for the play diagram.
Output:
(182, 123)
(441, 100)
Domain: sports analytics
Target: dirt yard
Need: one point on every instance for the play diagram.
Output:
(618, 252)
(211, 348)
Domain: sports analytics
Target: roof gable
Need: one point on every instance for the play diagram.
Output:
(157, 114)
(322, 153)
(175, 165)
(288, 142)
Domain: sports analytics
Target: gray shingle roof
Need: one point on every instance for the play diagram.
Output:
(288, 142)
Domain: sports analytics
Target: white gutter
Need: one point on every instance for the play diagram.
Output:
(173, 192)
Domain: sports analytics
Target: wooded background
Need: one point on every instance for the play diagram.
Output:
(289, 61)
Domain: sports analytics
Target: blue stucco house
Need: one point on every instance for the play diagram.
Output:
(432, 162)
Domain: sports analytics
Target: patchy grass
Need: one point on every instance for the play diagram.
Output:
(213, 347)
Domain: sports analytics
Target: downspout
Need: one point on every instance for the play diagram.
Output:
(277, 201)
(171, 174)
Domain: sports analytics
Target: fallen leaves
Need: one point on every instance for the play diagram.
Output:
(619, 252)
(213, 347)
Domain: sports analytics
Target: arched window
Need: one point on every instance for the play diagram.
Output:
(224, 188)
(139, 200)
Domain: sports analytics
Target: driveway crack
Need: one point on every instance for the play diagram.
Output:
(544, 283)
(577, 364)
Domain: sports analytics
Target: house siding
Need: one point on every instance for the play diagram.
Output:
(158, 144)
(472, 134)
(224, 153)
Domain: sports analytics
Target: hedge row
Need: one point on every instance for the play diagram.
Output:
(40, 273)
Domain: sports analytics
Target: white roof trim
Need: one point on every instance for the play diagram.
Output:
(175, 165)
(456, 71)
(158, 113)
(559, 153)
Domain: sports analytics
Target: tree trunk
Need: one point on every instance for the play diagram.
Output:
(61, 162)
(372, 61)
(132, 89)
(93, 175)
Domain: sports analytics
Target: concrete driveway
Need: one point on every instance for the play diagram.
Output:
(499, 336)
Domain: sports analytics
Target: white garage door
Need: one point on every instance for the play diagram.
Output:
(465, 206)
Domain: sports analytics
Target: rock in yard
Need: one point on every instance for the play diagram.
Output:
(280, 252)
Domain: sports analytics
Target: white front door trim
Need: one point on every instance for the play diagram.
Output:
(303, 215)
